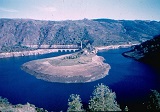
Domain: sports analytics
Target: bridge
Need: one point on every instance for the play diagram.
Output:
(67, 50)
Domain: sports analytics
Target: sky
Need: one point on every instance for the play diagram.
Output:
(79, 9)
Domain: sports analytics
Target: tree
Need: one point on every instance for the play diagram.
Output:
(86, 39)
(103, 99)
(74, 103)
(126, 109)
(154, 103)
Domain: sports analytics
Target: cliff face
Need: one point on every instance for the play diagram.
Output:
(148, 52)
(100, 32)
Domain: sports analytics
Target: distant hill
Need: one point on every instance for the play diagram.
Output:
(147, 52)
(15, 34)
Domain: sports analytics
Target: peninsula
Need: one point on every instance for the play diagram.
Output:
(147, 52)
(79, 67)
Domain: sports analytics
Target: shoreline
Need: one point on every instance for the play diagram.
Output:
(114, 47)
(46, 51)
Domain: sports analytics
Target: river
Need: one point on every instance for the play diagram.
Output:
(131, 80)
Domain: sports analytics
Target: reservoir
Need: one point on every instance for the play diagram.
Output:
(129, 79)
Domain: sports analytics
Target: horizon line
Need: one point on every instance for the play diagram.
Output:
(81, 19)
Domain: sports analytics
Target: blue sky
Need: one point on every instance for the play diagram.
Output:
(80, 9)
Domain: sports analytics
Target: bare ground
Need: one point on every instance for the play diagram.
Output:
(83, 69)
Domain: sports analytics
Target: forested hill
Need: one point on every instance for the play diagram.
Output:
(16, 33)
(148, 52)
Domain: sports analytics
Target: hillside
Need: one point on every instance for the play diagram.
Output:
(16, 34)
(148, 52)
(6, 106)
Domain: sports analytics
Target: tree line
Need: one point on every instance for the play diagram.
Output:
(103, 99)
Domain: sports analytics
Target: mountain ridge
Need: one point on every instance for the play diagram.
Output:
(16, 33)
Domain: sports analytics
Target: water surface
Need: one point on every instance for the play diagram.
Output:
(130, 80)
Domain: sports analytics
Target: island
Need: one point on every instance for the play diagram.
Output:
(79, 67)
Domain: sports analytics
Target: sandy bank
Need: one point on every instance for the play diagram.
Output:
(77, 73)
(27, 53)
(114, 47)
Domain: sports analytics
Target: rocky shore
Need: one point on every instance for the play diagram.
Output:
(59, 69)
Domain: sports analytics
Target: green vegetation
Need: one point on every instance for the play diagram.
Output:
(15, 48)
(103, 99)
(126, 109)
(4, 101)
(74, 103)
(147, 52)
(98, 32)
(150, 46)
(5, 106)
(154, 101)
(71, 60)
